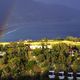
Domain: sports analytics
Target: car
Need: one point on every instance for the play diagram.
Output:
(70, 76)
(78, 75)
(51, 74)
(61, 75)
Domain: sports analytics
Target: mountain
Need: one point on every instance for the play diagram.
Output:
(35, 20)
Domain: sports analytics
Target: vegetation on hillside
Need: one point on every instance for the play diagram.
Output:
(22, 63)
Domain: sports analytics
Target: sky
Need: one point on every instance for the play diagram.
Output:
(6, 5)
(19, 13)
(70, 3)
(5, 9)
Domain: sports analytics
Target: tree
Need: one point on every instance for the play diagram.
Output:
(36, 52)
(1, 48)
(5, 59)
(6, 73)
(71, 38)
(74, 66)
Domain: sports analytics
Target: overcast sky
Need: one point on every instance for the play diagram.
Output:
(21, 5)
(69, 3)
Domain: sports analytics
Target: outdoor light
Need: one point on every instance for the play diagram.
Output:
(51, 74)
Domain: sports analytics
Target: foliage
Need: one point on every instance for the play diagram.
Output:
(71, 38)
(18, 60)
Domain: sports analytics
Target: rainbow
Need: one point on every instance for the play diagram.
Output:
(6, 7)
